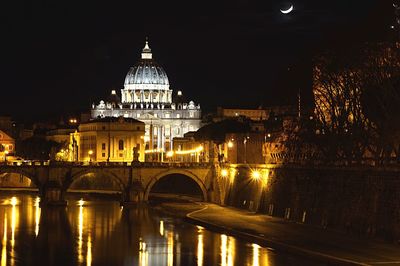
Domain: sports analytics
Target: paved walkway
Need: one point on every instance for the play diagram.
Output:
(326, 245)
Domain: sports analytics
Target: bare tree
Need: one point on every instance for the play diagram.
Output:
(381, 99)
(341, 128)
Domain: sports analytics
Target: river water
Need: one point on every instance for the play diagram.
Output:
(100, 232)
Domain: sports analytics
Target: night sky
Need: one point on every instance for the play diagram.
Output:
(61, 56)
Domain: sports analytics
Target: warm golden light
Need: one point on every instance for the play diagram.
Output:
(230, 144)
(231, 251)
(90, 152)
(227, 250)
(256, 255)
(14, 221)
(232, 175)
(255, 174)
(198, 149)
(170, 154)
(89, 251)
(200, 249)
(14, 214)
(13, 201)
(4, 243)
(224, 173)
(80, 231)
(37, 215)
(265, 177)
(224, 244)
(170, 249)
(143, 254)
(80, 202)
(162, 228)
(154, 150)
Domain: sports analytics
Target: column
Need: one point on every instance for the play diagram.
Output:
(159, 137)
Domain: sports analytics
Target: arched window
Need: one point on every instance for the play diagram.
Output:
(121, 145)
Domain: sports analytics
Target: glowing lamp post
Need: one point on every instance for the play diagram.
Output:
(230, 144)
(5, 156)
(260, 175)
(90, 155)
(255, 175)
(224, 173)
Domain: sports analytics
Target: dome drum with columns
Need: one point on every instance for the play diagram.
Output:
(147, 97)
(146, 82)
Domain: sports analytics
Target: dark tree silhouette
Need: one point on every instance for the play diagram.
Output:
(357, 102)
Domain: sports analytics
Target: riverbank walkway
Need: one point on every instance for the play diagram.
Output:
(332, 247)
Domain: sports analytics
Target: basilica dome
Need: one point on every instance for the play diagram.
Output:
(147, 72)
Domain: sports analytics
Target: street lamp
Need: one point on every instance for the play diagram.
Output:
(90, 155)
(224, 172)
(5, 156)
(255, 174)
(230, 144)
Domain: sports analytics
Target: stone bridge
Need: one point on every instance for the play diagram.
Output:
(135, 181)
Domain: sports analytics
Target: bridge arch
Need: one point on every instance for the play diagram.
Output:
(23, 173)
(186, 173)
(79, 175)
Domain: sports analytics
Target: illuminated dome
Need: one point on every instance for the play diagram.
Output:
(146, 83)
(147, 72)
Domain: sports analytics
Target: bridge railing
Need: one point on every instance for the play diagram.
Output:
(25, 163)
(108, 164)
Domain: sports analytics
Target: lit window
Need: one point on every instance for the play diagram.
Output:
(178, 115)
(138, 115)
(167, 115)
(191, 114)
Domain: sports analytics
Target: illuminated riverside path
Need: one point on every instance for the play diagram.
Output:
(104, 233)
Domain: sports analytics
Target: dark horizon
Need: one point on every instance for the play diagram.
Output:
(59, 58)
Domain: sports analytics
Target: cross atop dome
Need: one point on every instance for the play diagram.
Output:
(146, 52)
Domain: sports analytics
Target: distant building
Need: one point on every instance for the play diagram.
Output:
(261, 113)
(7, 145)
(14, 130)
(244, 148)
(188, 149)
(147, 97)
(60, 135)
(108, 139)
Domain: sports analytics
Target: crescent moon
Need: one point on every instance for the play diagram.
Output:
(287, 11)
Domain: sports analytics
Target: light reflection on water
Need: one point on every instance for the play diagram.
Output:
(101, 233)
(4, 243)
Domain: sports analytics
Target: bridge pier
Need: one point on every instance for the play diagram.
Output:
(134, 194)
(53, 195)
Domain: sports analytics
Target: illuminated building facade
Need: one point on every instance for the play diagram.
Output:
(259, 114)
(147, 97)
(7, 144)
(108, 139)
